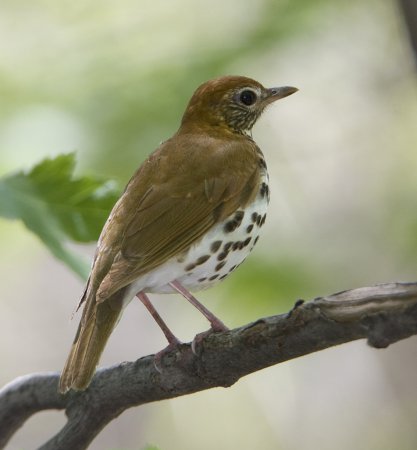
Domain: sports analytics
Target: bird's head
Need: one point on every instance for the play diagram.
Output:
(233, 102)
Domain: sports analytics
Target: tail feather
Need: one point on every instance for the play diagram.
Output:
(97, 322)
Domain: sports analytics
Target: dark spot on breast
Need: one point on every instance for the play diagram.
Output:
(202, 279)
(262, 163)
(254, 217)
(256, 240)
(264, 190)
(223, 276)
(227, 246)
(239, 216)
(232, 268)
(263, 220)
(215, 246)
(221, 256)
(220, 265)
(246, 242)
(202, 260)
(213, 277)
(231, 225)
(190, 266)
(249, 228)
(258, 220)
(236, 245)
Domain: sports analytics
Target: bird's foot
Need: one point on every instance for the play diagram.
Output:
(216, 327)
(173, 344)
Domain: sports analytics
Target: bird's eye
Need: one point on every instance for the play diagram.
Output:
(248, 97)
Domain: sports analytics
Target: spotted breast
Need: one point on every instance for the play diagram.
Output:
(219, 252)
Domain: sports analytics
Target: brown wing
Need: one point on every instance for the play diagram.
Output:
(175, 197)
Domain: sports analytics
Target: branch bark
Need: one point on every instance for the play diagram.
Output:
(381, 314)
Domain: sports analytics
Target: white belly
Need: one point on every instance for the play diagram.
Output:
(215, 256)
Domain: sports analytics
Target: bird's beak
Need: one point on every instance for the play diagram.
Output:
(276, 93)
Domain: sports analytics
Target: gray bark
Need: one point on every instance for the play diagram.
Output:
(381, 314)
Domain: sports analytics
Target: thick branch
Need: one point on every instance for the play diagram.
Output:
(382, 314)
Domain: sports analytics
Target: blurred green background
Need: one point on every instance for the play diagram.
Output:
(110, 81)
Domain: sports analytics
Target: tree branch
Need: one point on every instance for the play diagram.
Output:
(382, 314)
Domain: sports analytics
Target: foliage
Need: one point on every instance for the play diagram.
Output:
(57, 206)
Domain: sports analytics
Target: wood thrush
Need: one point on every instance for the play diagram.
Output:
(188, 217)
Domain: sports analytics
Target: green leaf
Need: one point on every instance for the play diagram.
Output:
(58, 207)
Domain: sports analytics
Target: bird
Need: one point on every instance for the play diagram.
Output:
(188, 217)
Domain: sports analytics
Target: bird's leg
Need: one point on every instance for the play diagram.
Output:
(173, 341)
(216, 323)
(171, 338)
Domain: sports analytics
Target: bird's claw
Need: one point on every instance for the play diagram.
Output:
(199, 338)
(157, 361)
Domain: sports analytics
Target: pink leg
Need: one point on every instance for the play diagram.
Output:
(171, 338)
(173, 342)
(216, 324)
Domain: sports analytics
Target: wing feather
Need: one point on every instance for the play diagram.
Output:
(162, 216)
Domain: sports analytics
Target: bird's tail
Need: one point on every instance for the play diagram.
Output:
(97, 322)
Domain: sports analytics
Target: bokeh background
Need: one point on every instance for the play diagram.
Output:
(110, 80)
